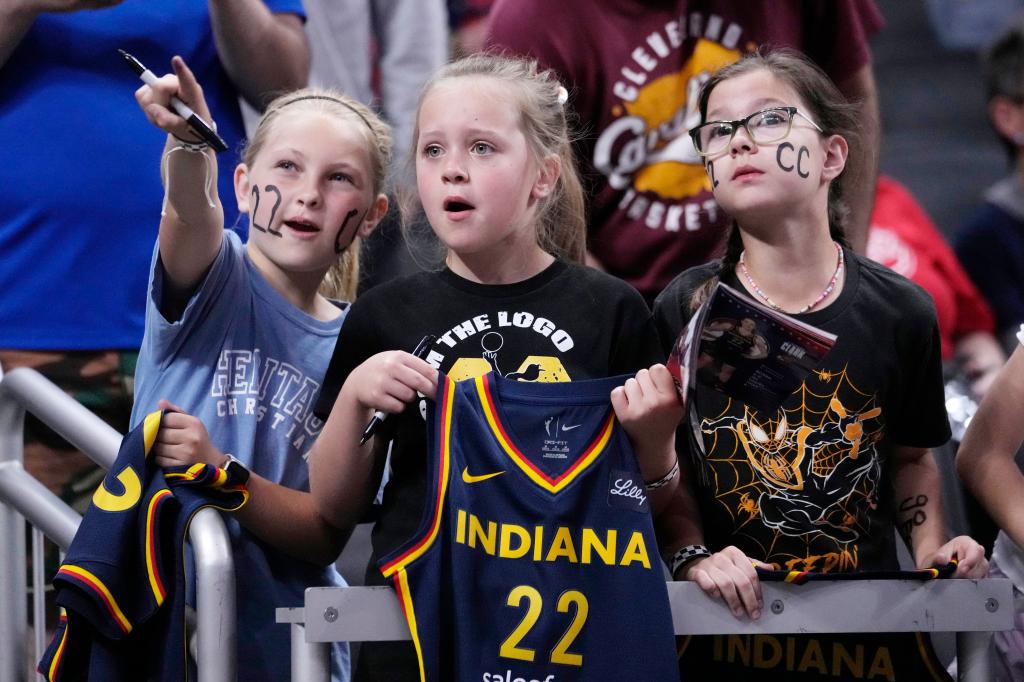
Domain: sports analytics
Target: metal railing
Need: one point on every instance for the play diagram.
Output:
(23, 498)
(971, 608)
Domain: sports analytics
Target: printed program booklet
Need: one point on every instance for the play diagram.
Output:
(746, 350)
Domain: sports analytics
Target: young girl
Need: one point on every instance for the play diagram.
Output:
(774, 138)
(238, 335)
(498, 184)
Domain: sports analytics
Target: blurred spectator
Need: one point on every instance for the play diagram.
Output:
(961, 25)
(904, 239)
(468, 22)
(82, 185)
(381, 52)
(633, 85)
(991, 244)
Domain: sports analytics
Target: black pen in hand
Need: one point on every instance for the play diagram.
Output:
(421, 350)
(198, 125)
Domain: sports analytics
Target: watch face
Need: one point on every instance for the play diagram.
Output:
(238, 470)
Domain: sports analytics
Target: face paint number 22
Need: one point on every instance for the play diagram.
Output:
(256, 207)
(269, 229)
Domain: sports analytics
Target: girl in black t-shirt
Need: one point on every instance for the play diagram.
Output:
(820, 484)
(498, 184)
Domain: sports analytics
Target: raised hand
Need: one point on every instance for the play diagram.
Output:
(155, 101)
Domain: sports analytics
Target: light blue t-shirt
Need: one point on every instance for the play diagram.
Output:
(249, 364)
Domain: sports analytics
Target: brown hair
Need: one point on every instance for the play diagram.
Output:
(342, 279)
(830, 109)
(540, 98)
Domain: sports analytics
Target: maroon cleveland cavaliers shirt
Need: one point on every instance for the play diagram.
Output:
(634, 69)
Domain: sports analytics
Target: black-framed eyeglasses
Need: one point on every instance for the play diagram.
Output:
(763, 127)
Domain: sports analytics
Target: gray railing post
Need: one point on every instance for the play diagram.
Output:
(35, 393)
(13, 589)
(23, 497)
(971, 608)
(215, 598)
(311, 661)
(972, 656)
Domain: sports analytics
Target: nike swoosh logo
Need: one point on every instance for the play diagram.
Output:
(570, 428)
(470, 478)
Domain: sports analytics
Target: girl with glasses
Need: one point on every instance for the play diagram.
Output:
(820, 484)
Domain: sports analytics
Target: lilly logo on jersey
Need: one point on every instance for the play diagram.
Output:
(624, 492)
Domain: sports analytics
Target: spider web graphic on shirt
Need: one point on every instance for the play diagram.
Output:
(799, 485)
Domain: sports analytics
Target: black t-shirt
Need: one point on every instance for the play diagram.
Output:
(568, 322)
(809, 487)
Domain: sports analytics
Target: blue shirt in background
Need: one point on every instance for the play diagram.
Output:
(80, 168)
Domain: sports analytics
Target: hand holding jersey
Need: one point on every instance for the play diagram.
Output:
(969, 555)
(648, 408)
(183, 440)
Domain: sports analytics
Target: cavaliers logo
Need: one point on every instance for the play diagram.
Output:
(647, 145)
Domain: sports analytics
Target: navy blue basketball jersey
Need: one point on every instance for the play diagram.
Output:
(122, 584)
(536, 558)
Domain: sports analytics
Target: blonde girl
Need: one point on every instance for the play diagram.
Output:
(238, 336)
(498, 184)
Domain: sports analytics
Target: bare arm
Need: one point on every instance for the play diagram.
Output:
(288, 520)
(191, 229)
(17, 17)
(919, 516)
(862, 166)
(343, 475)
(649, 410)
(918, 508)
(284, 518)
(264, 53)
(985, 460)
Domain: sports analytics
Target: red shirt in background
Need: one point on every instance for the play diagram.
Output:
(903, 238)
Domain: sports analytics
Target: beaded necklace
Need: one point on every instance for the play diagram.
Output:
(810, 306)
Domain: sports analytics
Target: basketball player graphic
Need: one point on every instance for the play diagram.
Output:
(808, 475)
(491, 342)
(725, 344)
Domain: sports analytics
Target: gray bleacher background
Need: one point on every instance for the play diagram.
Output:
(936, 138)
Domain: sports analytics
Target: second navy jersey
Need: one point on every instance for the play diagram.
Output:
(536, 557)
(122, 584)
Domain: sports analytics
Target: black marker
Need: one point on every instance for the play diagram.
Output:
(421, 350)
(197, 124)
